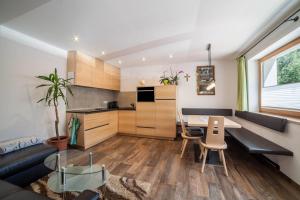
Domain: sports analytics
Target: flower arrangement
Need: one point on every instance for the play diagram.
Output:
(172, 79)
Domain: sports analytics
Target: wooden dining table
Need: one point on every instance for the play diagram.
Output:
(202, 121)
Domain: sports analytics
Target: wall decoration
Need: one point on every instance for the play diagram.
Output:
(206, 80)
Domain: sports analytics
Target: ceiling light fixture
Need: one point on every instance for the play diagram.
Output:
(143, 59)
(120, 62)
(76, 38)
(103, 53)
(171, 56)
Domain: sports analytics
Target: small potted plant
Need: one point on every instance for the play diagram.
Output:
(56, 86)
(173, 78)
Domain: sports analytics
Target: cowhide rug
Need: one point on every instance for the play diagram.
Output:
(116, 188)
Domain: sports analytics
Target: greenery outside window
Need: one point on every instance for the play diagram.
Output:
(280, 81)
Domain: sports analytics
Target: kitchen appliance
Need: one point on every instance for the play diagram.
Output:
(145, 94)
(112, 104)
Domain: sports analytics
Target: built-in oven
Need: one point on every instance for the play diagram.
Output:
(145, 94)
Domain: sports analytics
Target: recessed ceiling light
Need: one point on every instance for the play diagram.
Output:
(171, 56)
(143, 59)
(120, 62)
(103, 53)
(76, 38)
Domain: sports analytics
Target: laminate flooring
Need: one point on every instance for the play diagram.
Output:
(158, 162)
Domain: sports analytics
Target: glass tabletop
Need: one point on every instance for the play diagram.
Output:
(77, 183)
(74, 170)
(72, 162)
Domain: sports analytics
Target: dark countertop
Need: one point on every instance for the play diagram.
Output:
(97, 110)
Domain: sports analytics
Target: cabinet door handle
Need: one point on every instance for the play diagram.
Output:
(96, 127)
(145, 127)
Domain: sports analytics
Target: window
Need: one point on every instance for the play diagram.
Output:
(280, 81)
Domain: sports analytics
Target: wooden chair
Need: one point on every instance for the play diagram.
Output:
(214, 140)
(185, 135)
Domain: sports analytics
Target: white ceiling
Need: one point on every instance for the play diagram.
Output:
(128, 30)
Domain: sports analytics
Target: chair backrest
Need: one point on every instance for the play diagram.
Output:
(215, 131)
(184, 131)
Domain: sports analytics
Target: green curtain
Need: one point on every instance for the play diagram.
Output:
(242, 94)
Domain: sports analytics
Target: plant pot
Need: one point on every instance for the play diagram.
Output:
(166, 82)
(61, 144)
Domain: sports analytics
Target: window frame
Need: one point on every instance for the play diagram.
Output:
(270, 110)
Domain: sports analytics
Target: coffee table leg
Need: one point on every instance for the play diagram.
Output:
(91, 159)
(58, 161)
(63, 176)
(103, 172)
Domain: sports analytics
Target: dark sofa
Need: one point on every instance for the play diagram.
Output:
(9, 191)
(25, 166)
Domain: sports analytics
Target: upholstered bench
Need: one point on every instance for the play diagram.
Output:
(253, 142)
(256, 144)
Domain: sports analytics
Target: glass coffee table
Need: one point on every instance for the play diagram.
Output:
(74, 170)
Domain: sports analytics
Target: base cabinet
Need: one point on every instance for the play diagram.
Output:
(127, 121)
(166, 118)
(95, 127)
(145, 114)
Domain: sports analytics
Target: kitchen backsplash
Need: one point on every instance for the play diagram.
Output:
(85, 97)
(126, 98)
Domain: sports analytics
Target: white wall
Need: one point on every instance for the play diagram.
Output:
(290, 139)
(20, 114)
(225, 73)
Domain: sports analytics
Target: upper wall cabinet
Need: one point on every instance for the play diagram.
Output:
(165, 92)
(92, 72)
(111, 79)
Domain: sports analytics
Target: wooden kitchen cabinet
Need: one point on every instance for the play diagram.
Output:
(166, 118)
(145, 115)
(127, 123)
(165, 92)
(114, 120)
(98, 73)
(95, 127)
(82, 66)
(111, 77)
(92, 72)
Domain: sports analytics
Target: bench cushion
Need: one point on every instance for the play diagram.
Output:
(257, 144)
(207, 111)
(17, 161)
(271, 122)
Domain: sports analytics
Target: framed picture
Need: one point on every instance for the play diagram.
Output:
(205, 80)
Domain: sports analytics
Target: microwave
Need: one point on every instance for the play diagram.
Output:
(145, 94)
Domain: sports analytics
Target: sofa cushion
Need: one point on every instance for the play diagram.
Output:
(24, 194)
(23, 159)
(10, 191)
(19, 143)
(7, 189)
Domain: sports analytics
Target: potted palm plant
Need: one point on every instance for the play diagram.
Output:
(56, 86)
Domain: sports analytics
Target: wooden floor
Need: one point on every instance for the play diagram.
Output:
(158, 162)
